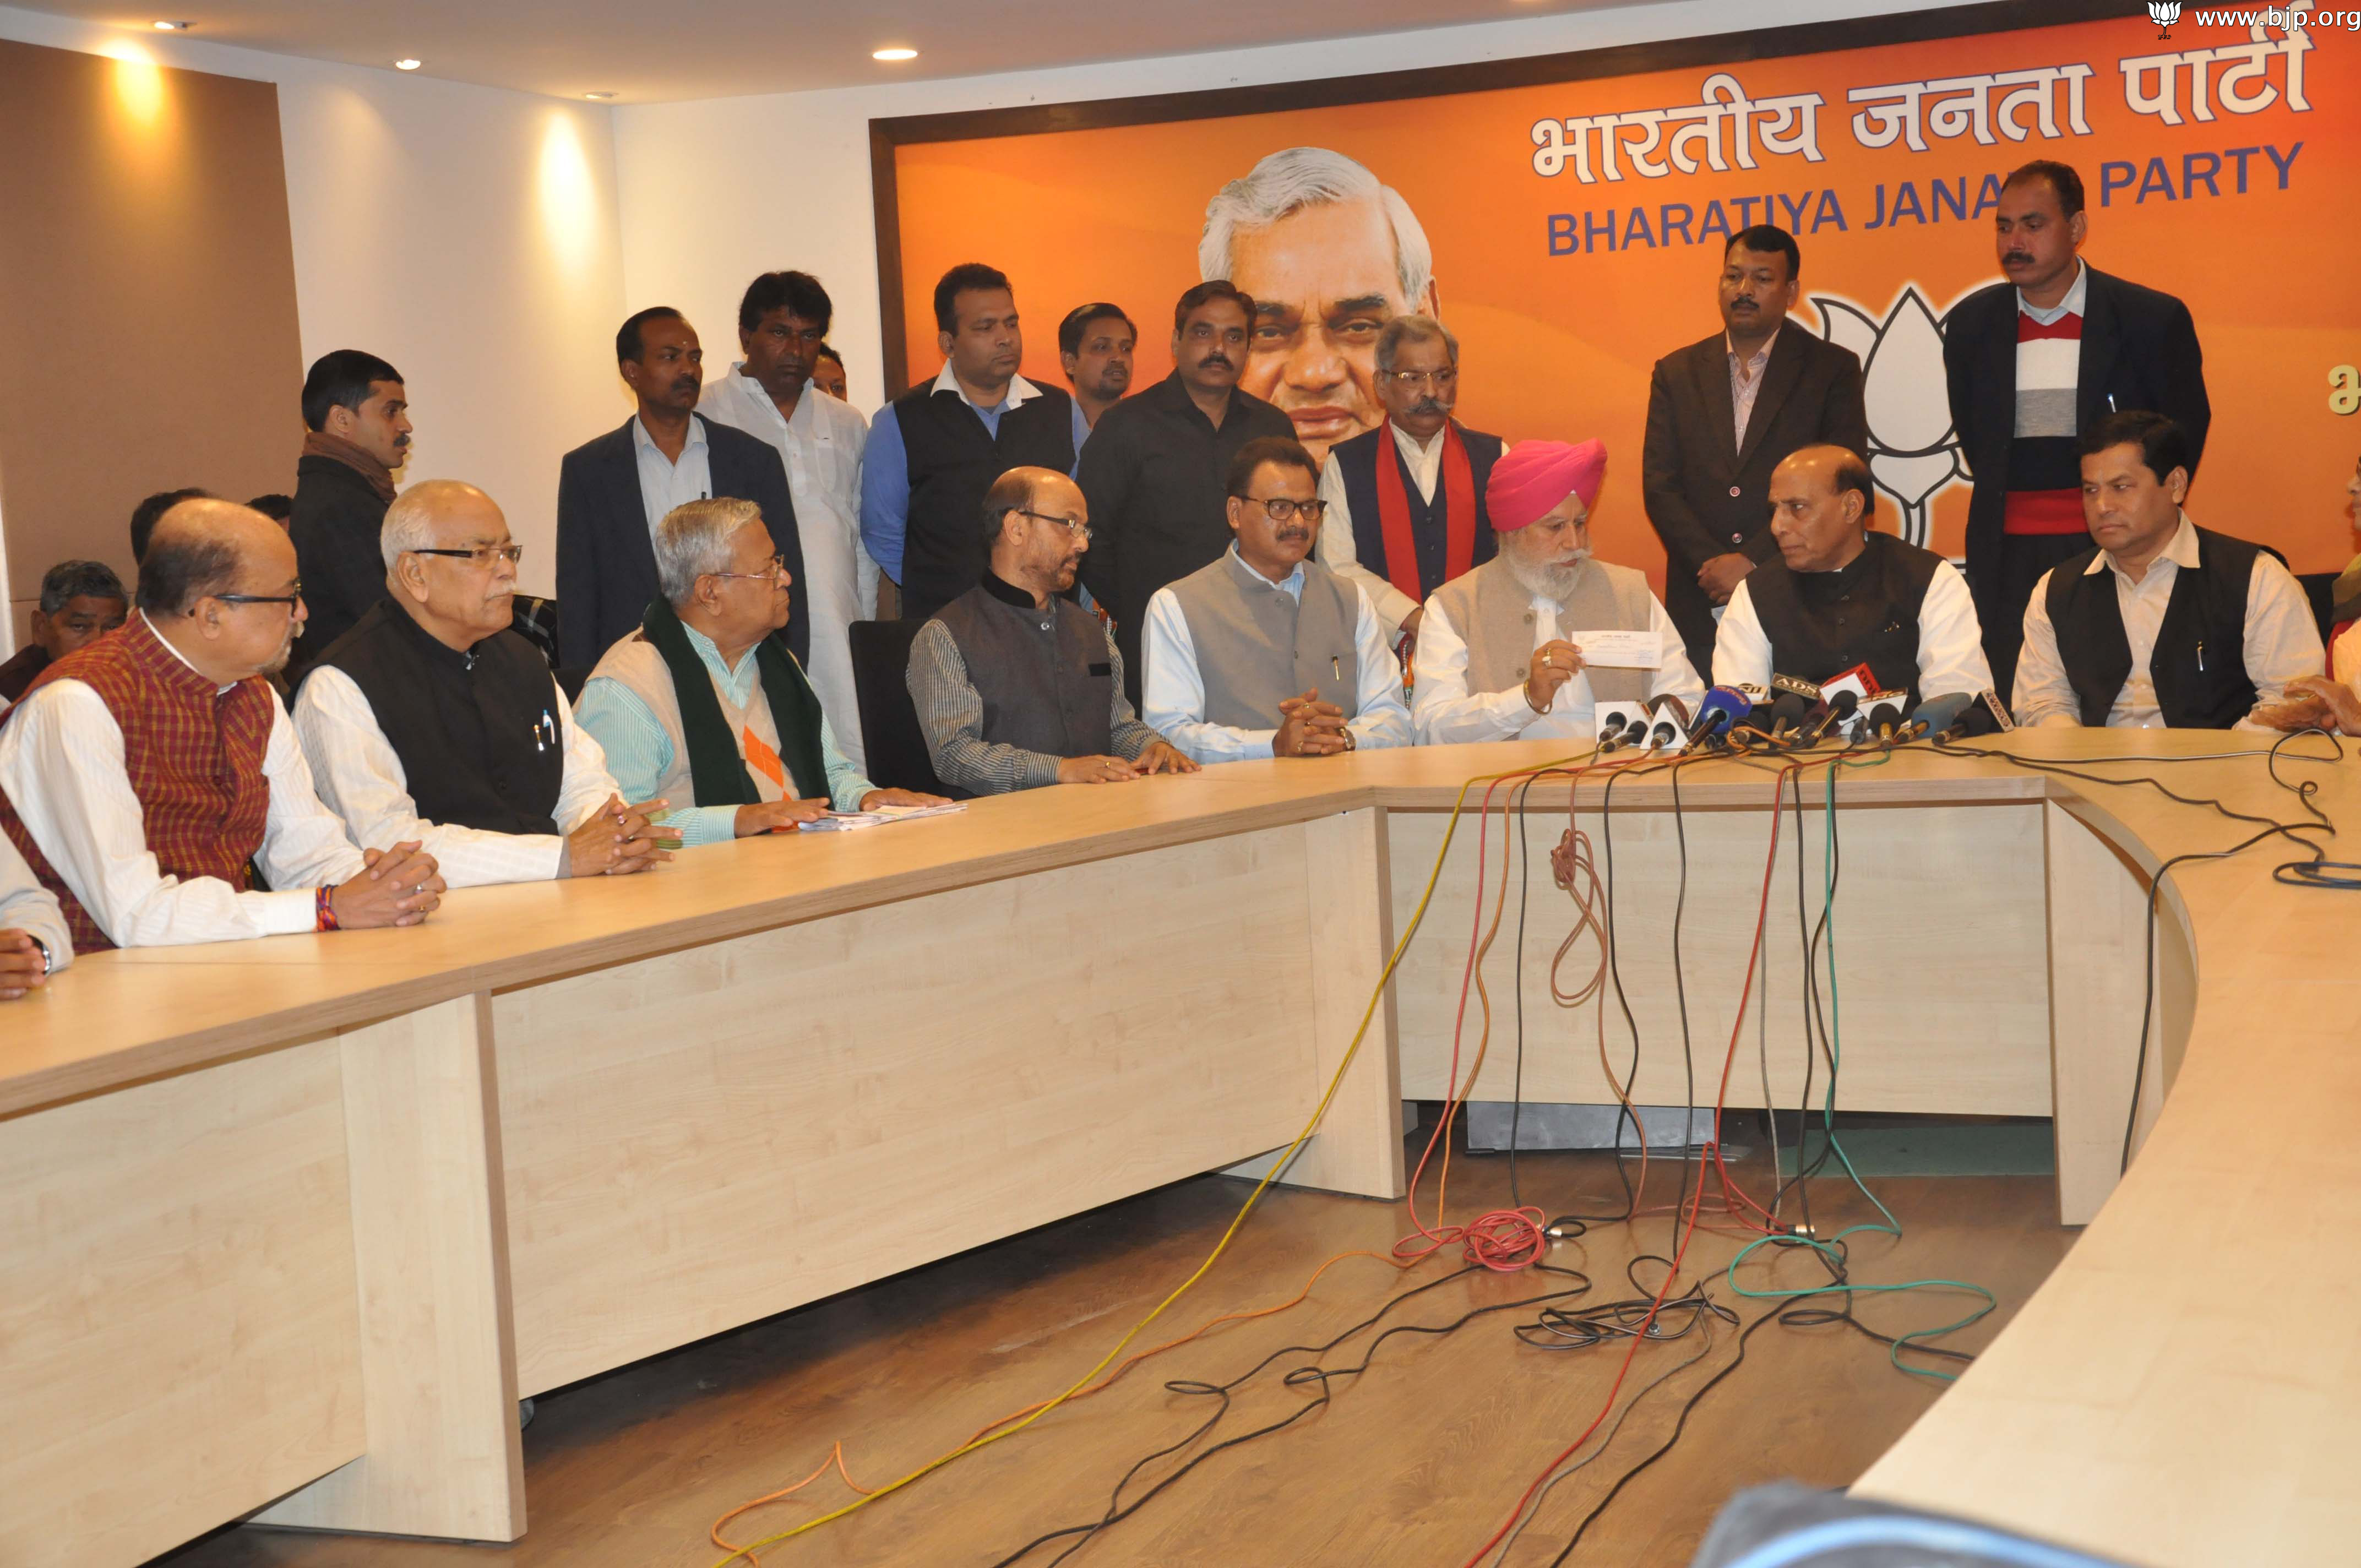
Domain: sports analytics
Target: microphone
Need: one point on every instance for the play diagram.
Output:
(1936, 714)
(1723, 710)
(1861, 680)
(1885, 714)
(1668, 734)
(1622, 724)
(1788, 715)
(1789, 686)
(1841, 708)
(1986, 715)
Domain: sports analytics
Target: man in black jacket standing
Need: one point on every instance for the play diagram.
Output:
(2032, 363)
(1153, 471)
(357, 432)
(613, 491)
(1723, 413)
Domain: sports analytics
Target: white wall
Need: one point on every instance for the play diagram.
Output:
(715, 192)
(467, 234)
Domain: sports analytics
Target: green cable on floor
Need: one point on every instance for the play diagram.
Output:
(1829, 1249)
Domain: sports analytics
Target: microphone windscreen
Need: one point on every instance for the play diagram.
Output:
(1723, 707)
(1979, 717)
(1885, 716)
(1939, 713)
(1841, 704)
(1788, 711)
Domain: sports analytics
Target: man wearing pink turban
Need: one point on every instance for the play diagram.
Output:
(1500, 651)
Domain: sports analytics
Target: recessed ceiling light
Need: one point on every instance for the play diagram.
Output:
(895, 53)
(408, 64)
(599, 96)
(171, 26)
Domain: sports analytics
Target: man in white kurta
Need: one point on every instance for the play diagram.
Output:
(782, 327)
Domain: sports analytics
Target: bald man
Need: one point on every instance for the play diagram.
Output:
(1838, 594)
(1016, 686)
(142, 774)
(430, 720)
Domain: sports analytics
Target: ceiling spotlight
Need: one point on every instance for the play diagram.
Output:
(408, 64)
(600, 96)
(171, 26)
(895, 53)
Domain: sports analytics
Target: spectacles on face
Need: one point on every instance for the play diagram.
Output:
(1441, 380)
(1074, 525)
(770, 574)
(289, 599)
(480, 554)
(1285, 509)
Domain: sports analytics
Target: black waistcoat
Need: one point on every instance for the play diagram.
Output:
(952, 462)
(477, 732)
(1357, 463)
(2200, 662)
(1047, 682)
(1821, 624)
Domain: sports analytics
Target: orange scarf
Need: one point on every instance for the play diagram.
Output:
(1458, 515)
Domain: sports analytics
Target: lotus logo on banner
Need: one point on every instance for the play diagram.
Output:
(1912, 451)
(2164, 13)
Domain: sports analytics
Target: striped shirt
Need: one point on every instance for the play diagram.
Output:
(2048, 376)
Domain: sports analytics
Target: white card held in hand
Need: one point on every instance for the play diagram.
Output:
(1620, 649)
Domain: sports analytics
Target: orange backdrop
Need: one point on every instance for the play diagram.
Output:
(1558, 329)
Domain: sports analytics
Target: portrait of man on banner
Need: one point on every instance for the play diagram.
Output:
(1330, 255)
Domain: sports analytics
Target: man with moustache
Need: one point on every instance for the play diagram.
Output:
(357, 432)
(1501, 655)
(1154, 469)
(1329, 256)
(431, 722)
(1016, 685)
(2034, 362)
(143, 774)
(1095, 345)
(1723, 413)
(1266, 652)
(613, 492)
(1406, 501)
(783, 323)
(934, 450)
(1839, 594)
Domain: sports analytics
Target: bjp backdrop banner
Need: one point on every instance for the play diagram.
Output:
(1567, 219)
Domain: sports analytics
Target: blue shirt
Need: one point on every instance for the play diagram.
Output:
(638, 751)
(886, 470)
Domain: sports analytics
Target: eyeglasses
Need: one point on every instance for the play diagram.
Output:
(772, 573)
(1281, 509)
(480, 554)
(290, 600)
(1072, 525)
(1441, 380)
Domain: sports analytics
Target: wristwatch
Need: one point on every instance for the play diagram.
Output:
(49, 959)
(1351, 744)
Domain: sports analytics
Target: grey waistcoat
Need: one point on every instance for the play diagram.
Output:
(1046, 678)
(1494, 613)
(1257, 645)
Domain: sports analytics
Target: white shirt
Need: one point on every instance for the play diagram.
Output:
(1336, 550)
(1447, 714)
(26, 906)
(1950, 640)
(2071, 305)
(821, 446)
(2282, 640)
(1172, 692)
(361, 779)
(664, 484)
(62, 763)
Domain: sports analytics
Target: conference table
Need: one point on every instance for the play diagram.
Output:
(287, 1227)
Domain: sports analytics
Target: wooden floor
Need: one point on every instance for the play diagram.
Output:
(1414, 1462)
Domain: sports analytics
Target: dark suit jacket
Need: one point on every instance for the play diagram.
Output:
(1706, 496)
(334, 529)
(606, 561)
(2139, 349)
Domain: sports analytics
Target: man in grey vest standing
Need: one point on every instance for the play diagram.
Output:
(1016, 686)
(1265, 652)
(1514, 651)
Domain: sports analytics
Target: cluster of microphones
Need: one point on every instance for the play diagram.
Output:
(1790, 714)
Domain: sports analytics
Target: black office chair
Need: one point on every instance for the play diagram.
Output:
(897, 754)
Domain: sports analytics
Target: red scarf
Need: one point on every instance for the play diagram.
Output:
(1459, 514)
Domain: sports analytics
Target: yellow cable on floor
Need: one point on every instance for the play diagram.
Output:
(1377, 995)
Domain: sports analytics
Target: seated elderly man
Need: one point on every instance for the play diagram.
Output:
(1500, 651)
(80, 602)
(2160, 623)
(430, 720)
(1017, 687)
(34, 944)
(705, 702)
(1265, 652)
(143, 772)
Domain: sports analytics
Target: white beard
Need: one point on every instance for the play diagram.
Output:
(1555, 581)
